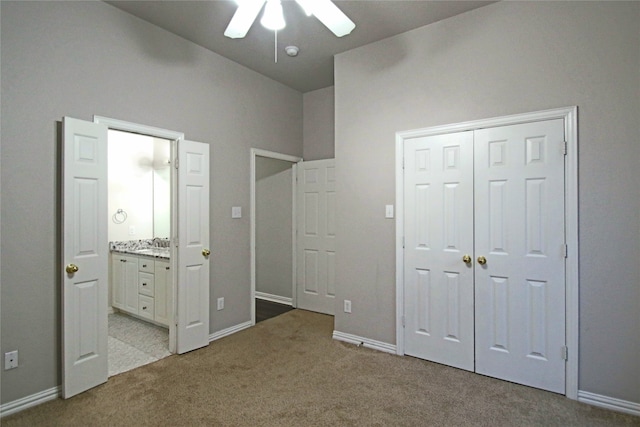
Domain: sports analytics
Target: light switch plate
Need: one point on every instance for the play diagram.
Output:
(236, 212)
(347, 306)
(388, 211)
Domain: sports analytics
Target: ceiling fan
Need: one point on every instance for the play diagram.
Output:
(325, 10)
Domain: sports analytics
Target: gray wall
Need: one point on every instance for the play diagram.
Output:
(84, 58)
(318, 124)
(506, 58)
(274, 239)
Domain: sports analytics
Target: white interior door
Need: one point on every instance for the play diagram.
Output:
(193, 246)
(438, 307)
(519, 222)
(315, 199)
(86, 256)
(499, 191)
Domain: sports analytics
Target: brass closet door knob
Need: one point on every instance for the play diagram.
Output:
(482, 260)
(206, 252)
(72, 268)
(466, 259)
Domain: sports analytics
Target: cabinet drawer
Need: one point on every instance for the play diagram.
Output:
(145, 307)
(146, 284)
(146, 265)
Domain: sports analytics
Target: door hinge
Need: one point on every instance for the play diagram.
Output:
(403, 321)
(402, 242)
(564, 147)
(565, 352)
(177, 162)
(565, 250)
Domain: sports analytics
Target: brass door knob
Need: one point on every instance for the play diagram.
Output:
(206, 252)
(466, 259)
(482, 260)
(71, 268)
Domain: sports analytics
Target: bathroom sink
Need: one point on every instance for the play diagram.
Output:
(153, 251)
(145, 251)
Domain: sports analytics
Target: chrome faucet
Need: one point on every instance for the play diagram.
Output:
(159, 242)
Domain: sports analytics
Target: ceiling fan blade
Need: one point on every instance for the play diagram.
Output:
(244, 17)
(332, 17)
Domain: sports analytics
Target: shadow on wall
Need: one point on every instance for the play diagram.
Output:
(399, 47)
(59, 144)
(155, 48)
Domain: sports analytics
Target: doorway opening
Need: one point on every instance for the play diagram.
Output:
(273, 213)
(139, 230)
(85, 295)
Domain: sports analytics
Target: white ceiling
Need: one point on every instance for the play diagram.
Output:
(204, 22)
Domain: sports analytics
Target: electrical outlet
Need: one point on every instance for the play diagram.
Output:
(11, 360)
(236, 212)
(220, 303)
(347, 306)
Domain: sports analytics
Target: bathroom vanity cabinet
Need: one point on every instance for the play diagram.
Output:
(141, 285)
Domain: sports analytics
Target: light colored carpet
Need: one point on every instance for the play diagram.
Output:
(287, 371)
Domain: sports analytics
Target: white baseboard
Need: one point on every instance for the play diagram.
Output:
(232, 330)
(607, 402)
(274, 298)
(365, 342)
(29, 401)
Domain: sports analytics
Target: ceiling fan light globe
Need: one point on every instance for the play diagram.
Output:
(273, 17)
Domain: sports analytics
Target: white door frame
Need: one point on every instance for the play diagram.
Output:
(174, 138)
(255, 152)
(570, 117)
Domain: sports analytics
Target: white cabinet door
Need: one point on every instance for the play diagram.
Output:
(117, 281)
(85, 249)
(316, 254)
(519, 222)
(163, 292)
(438, 187)
(193, 245)
(130, 277)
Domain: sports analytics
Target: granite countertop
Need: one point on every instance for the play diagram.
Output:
(147, 247)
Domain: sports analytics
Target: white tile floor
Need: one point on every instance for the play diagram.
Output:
(133, 343)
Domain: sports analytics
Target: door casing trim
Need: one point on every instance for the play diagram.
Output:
(570, 117)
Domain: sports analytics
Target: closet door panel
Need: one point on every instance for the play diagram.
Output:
(438, 306)
(519, 229)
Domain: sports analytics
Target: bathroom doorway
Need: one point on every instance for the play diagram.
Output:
(139, 229)
(86, 255)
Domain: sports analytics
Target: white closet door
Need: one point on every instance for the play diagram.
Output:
(193, 246)
(438, 307)
(519, 229)
(315, 199)
(86, 256)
